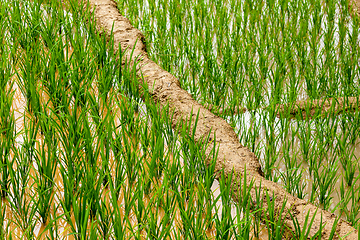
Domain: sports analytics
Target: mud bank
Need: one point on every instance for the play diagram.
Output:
(232, 156)
(305, 108)
(319, 107)
(225, 111)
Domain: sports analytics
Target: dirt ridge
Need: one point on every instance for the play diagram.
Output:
(165, 89)
(319, 107)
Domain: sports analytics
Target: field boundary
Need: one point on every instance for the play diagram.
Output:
(233, 158)
(309, 108)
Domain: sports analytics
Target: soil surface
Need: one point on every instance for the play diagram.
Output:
(319, 107)
(305, 108)
(232, 156)
(355, 6)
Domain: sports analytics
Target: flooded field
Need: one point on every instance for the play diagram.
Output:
(85, 154)
(256, 55)
(82, 155)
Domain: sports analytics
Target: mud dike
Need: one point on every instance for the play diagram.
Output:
(233, 158)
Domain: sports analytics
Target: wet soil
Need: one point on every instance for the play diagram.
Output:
(233, 158)
(304, 108)
(355, 6)
(319, 107)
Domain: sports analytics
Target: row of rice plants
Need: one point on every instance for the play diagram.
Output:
(258, 54)
(93, 160)
(7, 120)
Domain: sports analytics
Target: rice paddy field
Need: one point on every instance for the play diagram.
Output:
(254, 55)
(87, 154)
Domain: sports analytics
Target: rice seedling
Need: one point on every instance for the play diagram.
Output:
(273, 220)
(291, 177)
(325, 180)
(81, 213)
(7, 136)
(2, 222)
(272, 140)
(257, 207)
(20, 198)
(305, 232)
(225, 222)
